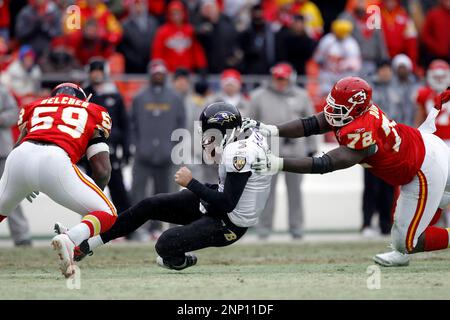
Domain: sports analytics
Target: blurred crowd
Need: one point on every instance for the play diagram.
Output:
(302, 47)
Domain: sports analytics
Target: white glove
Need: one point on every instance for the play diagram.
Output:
(269, 165)
(32, 196)
(265, 129)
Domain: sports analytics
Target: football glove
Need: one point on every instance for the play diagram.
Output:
(443, 99)
(32, 196)
(268, 165)
(266, 129)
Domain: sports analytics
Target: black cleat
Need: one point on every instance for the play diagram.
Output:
(80, 252)
(189, 261)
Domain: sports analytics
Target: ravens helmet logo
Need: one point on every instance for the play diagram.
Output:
(222, 117)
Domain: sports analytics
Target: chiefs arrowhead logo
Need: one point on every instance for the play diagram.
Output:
(358, 98)
(222, 117)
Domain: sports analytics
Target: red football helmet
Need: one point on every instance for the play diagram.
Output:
(438, 75)
(349, 98)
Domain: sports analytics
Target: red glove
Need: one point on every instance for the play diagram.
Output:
(442, 99)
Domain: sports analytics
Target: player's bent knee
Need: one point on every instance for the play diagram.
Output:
(99, 221)
(165, 243)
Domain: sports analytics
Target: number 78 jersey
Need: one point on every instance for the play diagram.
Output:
(400, 149)
(66, 122)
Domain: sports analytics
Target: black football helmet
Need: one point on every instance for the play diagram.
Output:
(220, 124)
(70, 89)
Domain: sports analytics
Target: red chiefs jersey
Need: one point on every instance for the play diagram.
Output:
(65, 121)
(427, 99)
(400, 148)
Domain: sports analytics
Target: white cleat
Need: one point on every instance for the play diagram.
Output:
(64, 249)
(392, 259)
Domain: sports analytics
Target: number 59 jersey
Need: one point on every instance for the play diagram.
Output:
(400, 149)
(66, 122)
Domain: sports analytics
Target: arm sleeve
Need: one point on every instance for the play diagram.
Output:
(227, 200)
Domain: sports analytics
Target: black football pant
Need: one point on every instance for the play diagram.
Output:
(197, 230)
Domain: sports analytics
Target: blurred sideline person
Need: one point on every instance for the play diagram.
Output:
(17, 222)
(378, 196)
(406, 86)
(414, 159)
(155, 113)
(338, 55)
(279, 102)
(210, 215)
(105, 93)
(55, 133)
(230, 91)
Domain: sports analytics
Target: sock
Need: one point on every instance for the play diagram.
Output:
(79, 233)
(95, 242)
(436, 238)
(2, 218)
(98, 222)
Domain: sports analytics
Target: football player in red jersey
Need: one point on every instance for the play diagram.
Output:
(438, 79)
(55, 133)
(414, 159)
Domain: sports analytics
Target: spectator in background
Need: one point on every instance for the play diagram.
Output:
(88, 42)
(100, 32)
(405, 84)
(378, 196)
(108, 27)
(175, 41)
(59, 58)
(218, 36)
(37, 23)
(399, 30)
(105, 93)
(156, 112)
(23, 75)
(312, 15)
(258, 44)
(438, 79)
(138, 33)
(5, 19)
(157, 8)
(200, 98)
(436, 32)
(279, 102)
(17, 222)
(338, 55)
(239, 12)
(370, 40)
(295, 46)
(230, 91)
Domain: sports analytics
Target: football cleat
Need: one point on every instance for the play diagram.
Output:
(392, 259)
(189, 261)
(64, 248)
(80, 252)
(59, 228)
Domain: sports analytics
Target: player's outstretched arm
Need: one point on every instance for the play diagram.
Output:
(304, 127)
(337, 159)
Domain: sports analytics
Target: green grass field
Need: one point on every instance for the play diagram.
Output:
(248, 271)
